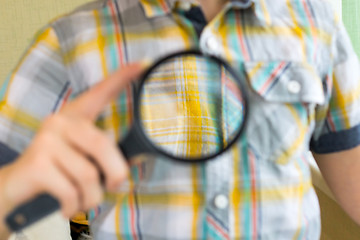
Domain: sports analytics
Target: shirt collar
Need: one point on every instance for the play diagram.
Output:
(256, 6)
(156, 8)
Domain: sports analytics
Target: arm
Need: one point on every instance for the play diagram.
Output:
(341, 171)
(336, 140)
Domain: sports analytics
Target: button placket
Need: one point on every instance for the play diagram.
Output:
(218, 177)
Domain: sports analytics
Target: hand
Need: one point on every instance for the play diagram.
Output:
(57, 161)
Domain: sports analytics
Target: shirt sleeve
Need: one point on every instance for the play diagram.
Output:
(338, 121)
(35, 88)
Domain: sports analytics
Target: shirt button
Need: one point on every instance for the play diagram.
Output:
(221, 201)
(212, 44)
(185, 5)
(294, 86)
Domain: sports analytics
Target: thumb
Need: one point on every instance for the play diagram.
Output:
(90, 104)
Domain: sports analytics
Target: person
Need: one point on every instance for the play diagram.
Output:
(302, 78)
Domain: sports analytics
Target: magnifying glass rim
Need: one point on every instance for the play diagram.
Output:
(137, 115)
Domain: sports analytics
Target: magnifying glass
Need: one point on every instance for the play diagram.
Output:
(188, 107)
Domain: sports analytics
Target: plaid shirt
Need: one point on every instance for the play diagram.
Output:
(303, 80)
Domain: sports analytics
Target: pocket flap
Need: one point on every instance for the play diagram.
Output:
(282, 81)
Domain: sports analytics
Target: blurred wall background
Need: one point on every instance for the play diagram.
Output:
(351, 18)
(20, 20)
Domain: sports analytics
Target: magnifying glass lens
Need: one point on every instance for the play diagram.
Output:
(191, 107)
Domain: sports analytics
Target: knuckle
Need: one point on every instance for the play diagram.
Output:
(91, 175)
(101, 143)
(41, 148)
(70, 195)
(38, 159)
(113, 182)
(97, 199)
(103, 140)
(54, 120)
(38, 181)
(69, 201)
(93, 199)
(55, 123)
(44, 138)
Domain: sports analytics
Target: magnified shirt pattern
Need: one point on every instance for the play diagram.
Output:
(191, 107)
(303, 80)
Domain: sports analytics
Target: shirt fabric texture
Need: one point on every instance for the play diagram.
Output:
(303, 81)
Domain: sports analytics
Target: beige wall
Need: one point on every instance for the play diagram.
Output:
(336, 225)
(20, 20)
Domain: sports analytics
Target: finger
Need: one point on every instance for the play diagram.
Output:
(82, 173)
(94, 143)
(59, 186)
(92, 102)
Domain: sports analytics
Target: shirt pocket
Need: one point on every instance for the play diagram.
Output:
(282, 107)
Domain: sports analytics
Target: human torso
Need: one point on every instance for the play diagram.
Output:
(282, 52)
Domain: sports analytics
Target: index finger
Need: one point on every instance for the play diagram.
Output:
(90, 104)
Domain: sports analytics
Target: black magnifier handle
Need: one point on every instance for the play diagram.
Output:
(31, 212)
